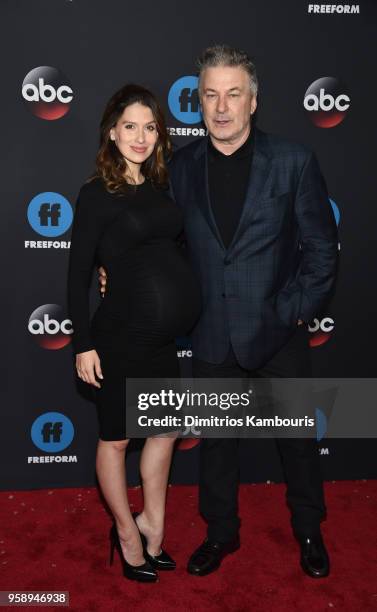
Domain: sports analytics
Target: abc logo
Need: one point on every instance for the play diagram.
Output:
(326, 102)
(50, 214)
(187, 443)
(183, 100)
(52, 432)
(49, 327)
(321, 331)
(47, 93)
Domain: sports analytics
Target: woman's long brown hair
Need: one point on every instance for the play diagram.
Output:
(110, 163)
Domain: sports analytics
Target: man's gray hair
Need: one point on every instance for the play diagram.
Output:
(224, 55)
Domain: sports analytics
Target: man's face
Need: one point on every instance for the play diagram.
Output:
(227, 102)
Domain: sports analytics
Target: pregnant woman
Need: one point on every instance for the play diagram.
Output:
(126, 221)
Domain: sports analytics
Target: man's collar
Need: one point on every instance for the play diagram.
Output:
(245, 150)
(261, 144)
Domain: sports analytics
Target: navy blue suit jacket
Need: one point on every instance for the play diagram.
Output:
(281, 264)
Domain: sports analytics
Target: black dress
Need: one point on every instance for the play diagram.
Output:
(151, 296)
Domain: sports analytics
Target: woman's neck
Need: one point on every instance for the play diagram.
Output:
(133, 173)
(135, 180)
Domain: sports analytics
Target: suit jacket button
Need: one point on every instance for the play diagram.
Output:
(223, 295)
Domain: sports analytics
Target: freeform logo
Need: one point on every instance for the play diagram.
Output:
(183, 100)
(321, 424)
(321, 331)
(336, 211)
(50, 214)
(184, 348)
(340, 9)
(49, 327)
(187, 131)
(47, 244)
(325, 400)
(47, 93)
(52, 432)
(327, 102)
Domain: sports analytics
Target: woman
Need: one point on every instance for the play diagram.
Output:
(126, 221)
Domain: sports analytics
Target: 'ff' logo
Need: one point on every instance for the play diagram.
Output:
(183, 100)
(49, 211)
(189, 96)
(52, 432)
(52, 429)
(50, 214)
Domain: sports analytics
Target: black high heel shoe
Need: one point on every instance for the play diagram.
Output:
(163, 561)
(141, 573)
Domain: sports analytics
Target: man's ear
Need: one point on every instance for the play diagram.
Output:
(253, 105)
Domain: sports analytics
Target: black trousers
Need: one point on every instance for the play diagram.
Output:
(219, 461)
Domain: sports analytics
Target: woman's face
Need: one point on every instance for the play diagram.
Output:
(135, 133)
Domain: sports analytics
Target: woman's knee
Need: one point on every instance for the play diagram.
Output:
(118, 445)
(163, 442)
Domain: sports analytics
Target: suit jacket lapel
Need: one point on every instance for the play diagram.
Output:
(202, 189)
(260, 169)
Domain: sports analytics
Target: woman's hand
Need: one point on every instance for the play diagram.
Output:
(87, 365)
(102, 279)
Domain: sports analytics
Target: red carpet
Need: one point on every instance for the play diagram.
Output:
(57, 540)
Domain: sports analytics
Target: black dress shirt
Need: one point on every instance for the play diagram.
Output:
(228, 178)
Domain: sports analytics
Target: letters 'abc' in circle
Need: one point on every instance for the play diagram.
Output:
(183, 100)
(50, 214)
(49, 327)
(52, 432)
(327, 102)
(320, 331)
(47, 93)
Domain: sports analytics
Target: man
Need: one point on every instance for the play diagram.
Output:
(262, 238)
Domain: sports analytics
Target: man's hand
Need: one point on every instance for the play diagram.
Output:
(87, 365)
(102, 279)
(299, 322)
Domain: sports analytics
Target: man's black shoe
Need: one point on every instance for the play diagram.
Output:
(207, 558)
(314, 558)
